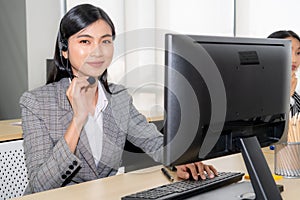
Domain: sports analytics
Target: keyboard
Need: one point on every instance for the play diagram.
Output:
(186, 188)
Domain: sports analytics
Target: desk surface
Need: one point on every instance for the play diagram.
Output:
(10, 130)
(115, 187)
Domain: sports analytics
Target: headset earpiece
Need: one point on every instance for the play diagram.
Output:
(63, 45)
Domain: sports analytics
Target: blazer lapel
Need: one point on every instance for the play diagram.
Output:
(107, 150)
(112, 147)
(83, 147)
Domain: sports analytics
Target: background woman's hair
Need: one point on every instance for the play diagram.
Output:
(76, 19)
(284, 34)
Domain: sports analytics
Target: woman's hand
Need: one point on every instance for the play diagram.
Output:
(293, 83)
(82, 97)
(196, 169)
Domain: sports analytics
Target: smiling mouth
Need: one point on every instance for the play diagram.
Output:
(96, 63)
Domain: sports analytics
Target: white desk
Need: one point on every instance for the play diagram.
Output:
(115, 187)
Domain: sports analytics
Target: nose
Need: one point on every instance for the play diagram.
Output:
(97, 51)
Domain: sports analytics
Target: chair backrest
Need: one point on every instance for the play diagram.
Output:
(13, 172)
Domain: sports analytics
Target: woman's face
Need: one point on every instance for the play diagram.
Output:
(295, 53)
(90, 50)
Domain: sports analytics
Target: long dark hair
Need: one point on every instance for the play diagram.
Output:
(284, 34)
(73, 21)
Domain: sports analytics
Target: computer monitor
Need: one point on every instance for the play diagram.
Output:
(225, 95)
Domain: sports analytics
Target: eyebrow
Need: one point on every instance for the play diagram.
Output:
(89, 36)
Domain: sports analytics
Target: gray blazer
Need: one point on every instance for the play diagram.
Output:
(46, 114)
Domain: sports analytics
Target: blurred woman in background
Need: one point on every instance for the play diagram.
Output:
(295, 40)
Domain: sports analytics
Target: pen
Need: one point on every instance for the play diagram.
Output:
(166, 173)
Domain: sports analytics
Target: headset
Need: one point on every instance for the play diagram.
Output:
(63, 46)
(62, 43)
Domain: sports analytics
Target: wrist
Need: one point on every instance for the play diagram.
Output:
(78, 122)
(73, 133)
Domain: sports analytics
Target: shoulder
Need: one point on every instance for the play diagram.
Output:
(118, 90)
(120, 98)
(40, 95)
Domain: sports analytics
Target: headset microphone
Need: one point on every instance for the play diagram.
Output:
(91, 80)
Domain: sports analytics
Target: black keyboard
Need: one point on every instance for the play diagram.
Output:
(187, 188)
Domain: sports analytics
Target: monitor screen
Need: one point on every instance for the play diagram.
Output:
(221, 89)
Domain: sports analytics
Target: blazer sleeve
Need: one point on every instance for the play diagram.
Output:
(49, 163)
(144, 134)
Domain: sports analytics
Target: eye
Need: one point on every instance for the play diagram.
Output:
(106, 41)
(84, 41)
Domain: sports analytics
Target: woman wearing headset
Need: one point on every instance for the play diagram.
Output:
(75, 128)
(295, 40)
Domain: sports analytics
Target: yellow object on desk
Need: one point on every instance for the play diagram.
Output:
(276, 177)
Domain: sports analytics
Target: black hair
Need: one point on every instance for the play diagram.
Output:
(76, 19)
(284, 34)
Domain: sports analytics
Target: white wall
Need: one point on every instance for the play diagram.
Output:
(42, 20)
(213, 17)
(260, 18)
(254, 18)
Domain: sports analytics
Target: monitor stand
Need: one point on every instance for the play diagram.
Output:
(261, 177)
